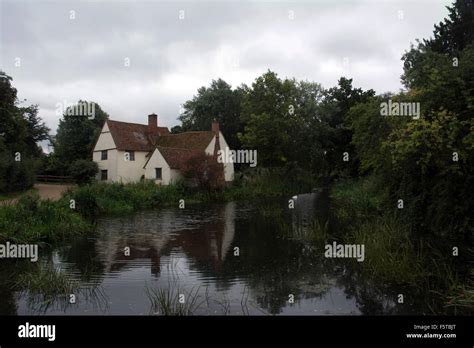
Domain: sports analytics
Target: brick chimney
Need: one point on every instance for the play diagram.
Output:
(215, 130)
(215, 127)
(153, 123)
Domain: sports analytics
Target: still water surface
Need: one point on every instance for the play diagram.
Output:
(232, 258)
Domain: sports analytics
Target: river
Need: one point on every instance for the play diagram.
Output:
(219, 259)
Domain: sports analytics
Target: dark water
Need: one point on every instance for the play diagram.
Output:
(193, 252)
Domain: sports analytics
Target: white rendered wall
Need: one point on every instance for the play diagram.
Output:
(105, 142)
(158, 161)
(130, 171)
(228, 167)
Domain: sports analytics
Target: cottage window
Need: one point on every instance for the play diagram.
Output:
(129, 155)
(103, 175)
(103, 156)
(158, 173)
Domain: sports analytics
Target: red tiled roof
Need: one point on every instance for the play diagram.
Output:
(175, 148)
(177, 157)
(133, 136)
(188, 140)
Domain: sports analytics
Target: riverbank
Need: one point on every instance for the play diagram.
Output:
(32, 219)
(396, 253)
(398, 260)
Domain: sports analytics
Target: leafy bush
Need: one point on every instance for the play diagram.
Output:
(204, 171)
(83, 171)
(15, 175)
(85, 201)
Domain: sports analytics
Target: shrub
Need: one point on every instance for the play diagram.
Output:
(85, 201)
(204, 171)
(15, 175)
(83, 171)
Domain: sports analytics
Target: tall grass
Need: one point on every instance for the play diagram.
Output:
(33, 220)
(45, 286)
(461, 299)
(318, 232)
(117, 198)
(395, 254)
(356, 199)
(390, 255)
(269, 182)
(166, 301)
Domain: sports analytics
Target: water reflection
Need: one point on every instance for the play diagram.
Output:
(195, 248)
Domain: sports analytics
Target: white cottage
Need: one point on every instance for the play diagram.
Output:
(128, 152)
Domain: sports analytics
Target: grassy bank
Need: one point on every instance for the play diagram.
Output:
(116, 198)
(395, 254)
(33, 220)
(5, 197)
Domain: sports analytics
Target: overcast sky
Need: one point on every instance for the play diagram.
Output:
(65, 56)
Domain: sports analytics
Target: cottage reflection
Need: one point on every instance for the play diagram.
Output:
(151, 235)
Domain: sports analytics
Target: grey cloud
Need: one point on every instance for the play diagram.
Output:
(64, 59)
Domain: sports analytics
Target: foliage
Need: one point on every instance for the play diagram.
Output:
(430, 159)
(334, 115)
(83, 171)
(426, 174)
(76, 136)
(438, 83)
(101, 198)
(20, 130)
(455, 32)
(359, 198)
(216, 102)
(427, 162)
(395, 253)
(204, 171)
(15, 175)
(32, 220)
(290, 123)
(260, 183)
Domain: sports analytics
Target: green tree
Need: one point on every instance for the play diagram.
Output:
(218, 101)
(76, 136)
(337, 130)
(440, 83)
(431, 167)
(369, 129)
(20, 130)
(440, 69)
(456, 32)
(430, 159)
(267, 112)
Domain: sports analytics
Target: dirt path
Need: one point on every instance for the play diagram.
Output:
(51, 191)
(45, 191)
